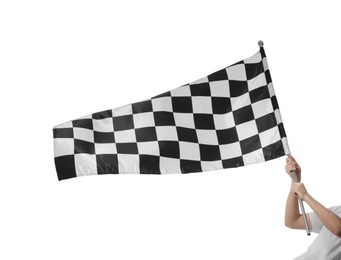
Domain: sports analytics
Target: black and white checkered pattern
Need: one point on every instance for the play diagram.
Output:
(229, 118)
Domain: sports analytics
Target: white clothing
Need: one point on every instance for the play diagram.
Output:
(326, 246)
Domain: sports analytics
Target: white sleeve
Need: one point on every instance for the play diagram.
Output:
(316, 224)
(336, 210)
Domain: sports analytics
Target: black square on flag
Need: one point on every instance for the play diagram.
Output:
(107, 163)
(204, 121)
(233, 162)
(149, 164)
(209, 152)
(126, 148)
(187, 134)
(123, 122)
(219, 75)
(145, 134)
(83, 123)
(266, 122)
(243, 115)
(227, 136)
(259, 94)
(84, 147)
(182, 104)
(221, 105)
(238, 88)
(250, 144)
(104, 137)
(65, 166)
(63, 133)
(163, 118)
(141, 107)
(273, 151)
(253, 69)
(202, 89)
(169, 149)
(102, 114)
(188, 166)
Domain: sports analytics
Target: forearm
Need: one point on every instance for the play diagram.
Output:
(292, 212)
(329, 219)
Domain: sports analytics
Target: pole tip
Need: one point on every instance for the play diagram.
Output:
(260, 44)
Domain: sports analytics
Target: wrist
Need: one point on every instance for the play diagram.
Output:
(306, 197)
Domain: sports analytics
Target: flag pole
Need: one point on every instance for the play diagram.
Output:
(294, 177)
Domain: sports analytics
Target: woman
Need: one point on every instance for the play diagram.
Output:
(326, 222)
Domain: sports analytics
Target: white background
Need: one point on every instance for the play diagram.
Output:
(60, 60)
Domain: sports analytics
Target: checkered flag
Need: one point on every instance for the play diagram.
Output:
(229, 118)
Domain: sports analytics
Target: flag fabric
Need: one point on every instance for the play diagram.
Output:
(229, 118)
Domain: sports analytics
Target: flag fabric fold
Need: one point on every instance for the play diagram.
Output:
(229, 118)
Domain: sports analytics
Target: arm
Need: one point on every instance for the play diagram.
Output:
(293, 218)
(329, 219)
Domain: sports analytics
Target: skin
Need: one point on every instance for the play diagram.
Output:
(293, 218)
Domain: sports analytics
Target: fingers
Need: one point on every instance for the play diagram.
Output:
(299, 190)
(291, 162)
(291, 166)
(290, 158)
